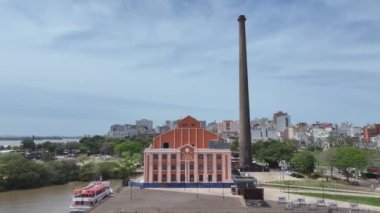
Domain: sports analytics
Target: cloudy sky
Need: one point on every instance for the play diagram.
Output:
(76, 67)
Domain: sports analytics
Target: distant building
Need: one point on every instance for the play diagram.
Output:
(203, 124)
(122, 131)
(347, 129)
(228, 126)
(370, 131)
(188, 154)
(376, 140)
(261, 122)
(145, 122)
(212, 126)
(142, 127)
(264, 133)
(281, 121)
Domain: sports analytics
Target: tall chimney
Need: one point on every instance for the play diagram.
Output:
(244, 122)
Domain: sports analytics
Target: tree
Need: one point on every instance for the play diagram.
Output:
(128, 146)
(273, 151)
(127, 167)
(92, 145)
(346, 157)
(108, 170)
(304, 162)
(28, 144)
(89, 172)
(235, 146)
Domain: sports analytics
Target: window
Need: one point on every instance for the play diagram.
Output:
(191, 178)
(182, 166)
(164, 178)
(200, 167)
(164, 167)
(174, 178)
(200, 178)
(209, 167)
(209, 156)
(182, 178)
(219, 178)
(192, 124)
(219, 157)
(173, 167)
(164, 157)
(209, 178)
(173, 156)
(155, 167)
(191, 166)
(155, 156)
(155, 177)
(165, 145)
(200, 156)
(218, 167)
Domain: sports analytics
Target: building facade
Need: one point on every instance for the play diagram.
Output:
(371, 131)
(228, 126)
(281, 121)
(188, 154)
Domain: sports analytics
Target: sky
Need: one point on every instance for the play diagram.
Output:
(75, 67)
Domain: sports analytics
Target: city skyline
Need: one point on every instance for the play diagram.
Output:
(119, 61)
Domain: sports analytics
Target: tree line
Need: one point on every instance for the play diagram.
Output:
(17, 171)
(345, 157)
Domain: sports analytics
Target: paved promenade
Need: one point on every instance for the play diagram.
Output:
(187, 200)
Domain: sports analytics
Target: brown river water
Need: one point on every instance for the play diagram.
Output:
(50, 199)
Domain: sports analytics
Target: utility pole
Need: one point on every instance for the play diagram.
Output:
(131, 190)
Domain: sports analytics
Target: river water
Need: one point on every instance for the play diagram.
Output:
(18, 142)
(50, 199)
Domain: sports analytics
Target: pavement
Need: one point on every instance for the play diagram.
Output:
(213, 199)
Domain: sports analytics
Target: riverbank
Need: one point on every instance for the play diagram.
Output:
(52, 199)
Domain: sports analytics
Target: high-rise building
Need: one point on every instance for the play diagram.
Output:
(281, 121)
(145, 122)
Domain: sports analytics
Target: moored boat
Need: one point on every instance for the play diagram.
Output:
(85, 199)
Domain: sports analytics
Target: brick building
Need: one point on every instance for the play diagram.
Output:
(188, 154)
(371, 131)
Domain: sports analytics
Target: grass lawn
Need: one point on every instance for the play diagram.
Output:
(313, 183)
(373, 201)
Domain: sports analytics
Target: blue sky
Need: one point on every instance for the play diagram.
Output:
(76, 67)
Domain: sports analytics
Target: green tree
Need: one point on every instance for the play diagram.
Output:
(92, 145)
(127, 167)
(109, 170)
(28, 144)
(20, 173)
(304, 162)
(235, 146)
(347, 157)
(128, 146)
(89, 172)
(273, 151)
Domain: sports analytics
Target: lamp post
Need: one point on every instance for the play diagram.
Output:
(197, 190)
(223, 190)
(131, 190)
(288, 191)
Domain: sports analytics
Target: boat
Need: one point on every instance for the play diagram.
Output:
(87, 198)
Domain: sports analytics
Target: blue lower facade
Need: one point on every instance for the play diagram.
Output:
(180, 185)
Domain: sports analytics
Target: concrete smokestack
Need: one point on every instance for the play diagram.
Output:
(244, 121)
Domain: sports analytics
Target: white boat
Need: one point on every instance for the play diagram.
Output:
(85, 199)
